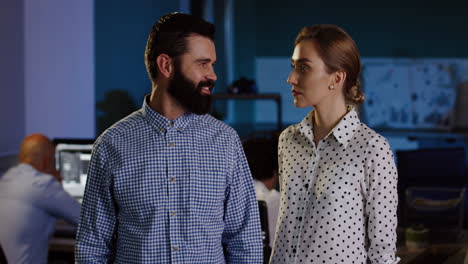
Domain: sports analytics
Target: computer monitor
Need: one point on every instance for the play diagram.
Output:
(431, 167)
(72, 160)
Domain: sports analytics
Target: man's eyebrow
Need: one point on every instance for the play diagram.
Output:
(203, 60)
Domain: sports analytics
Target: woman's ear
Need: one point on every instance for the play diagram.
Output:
(339, 78)
(165, 65)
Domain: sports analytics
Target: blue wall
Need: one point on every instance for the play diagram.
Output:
(12, 107)
(121, 32)
(426, 29)
(267, 28)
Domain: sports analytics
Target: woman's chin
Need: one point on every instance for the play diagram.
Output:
(299, 104)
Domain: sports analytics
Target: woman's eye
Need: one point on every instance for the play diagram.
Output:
(303, 68)
(300, 68)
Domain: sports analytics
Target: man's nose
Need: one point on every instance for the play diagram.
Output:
(212, 75)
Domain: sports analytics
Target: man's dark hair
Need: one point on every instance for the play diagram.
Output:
(262, 156)
(169, 35)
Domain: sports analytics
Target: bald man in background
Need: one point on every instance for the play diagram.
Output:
(31, 200)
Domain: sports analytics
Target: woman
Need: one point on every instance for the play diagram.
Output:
(338, 177)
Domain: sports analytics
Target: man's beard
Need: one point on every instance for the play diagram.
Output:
(189, 95)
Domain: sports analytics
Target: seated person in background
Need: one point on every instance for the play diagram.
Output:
(262, 156)
(31, 199)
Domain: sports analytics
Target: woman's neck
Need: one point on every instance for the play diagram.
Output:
(325, 118)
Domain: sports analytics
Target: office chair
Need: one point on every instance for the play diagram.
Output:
(431, 189)
(431, 167)
(2, 256)
(262, 206)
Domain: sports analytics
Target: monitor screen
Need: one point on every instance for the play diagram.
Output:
(72, 160)
(431, 167)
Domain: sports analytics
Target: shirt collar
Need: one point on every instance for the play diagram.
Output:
(26, 167)
(161, 123)
(343, 131)
(306, 126)
(29, 169)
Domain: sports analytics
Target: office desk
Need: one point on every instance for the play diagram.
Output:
(436, 253)
(62, 244)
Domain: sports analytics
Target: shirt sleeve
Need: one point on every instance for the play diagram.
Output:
(281, 140)
(281, 143)
(242, 233)
(57, 202)
(381, 202)
(96, 231)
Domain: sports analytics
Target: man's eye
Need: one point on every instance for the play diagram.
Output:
(303, 68)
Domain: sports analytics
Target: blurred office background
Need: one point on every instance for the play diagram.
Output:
(66, 64)
(69, 69)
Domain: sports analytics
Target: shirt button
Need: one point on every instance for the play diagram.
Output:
(175, 248)
(180, 129)
(171, 144)
(173, 213)
(173, 179)
(171, 124)
(162, 129)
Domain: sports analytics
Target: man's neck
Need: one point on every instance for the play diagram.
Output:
(34, 164)
(162, 102)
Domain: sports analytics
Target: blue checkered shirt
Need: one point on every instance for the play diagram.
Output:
(162, 191)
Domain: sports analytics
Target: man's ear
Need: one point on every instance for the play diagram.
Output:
(165, 65)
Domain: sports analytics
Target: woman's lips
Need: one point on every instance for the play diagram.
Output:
(296, 93)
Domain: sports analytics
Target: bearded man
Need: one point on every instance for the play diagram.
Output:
(170, 183)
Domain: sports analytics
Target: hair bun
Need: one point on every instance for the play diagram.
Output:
(355, 94)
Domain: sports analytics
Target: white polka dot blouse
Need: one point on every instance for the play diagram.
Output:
(339, 198)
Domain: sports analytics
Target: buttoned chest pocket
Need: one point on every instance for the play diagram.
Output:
(140, 190)
(207, 190)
